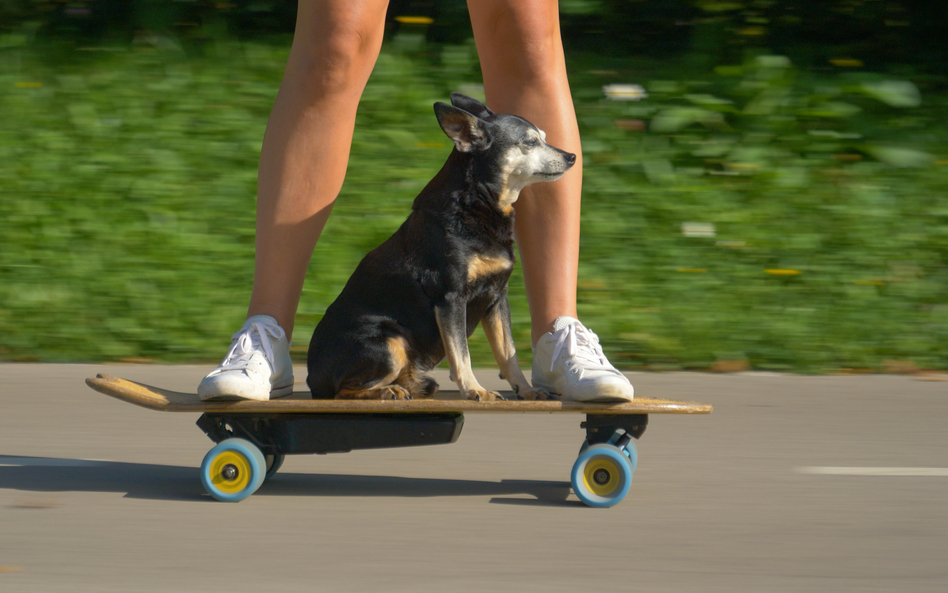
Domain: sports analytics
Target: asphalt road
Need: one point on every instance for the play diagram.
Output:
(792, 484)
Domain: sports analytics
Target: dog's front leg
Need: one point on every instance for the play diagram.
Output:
(452, 323)
(496, 324)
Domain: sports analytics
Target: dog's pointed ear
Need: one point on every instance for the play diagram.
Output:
(472, 106)
(469, 133)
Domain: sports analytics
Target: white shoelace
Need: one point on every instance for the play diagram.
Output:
(581, 344)
(248, 341)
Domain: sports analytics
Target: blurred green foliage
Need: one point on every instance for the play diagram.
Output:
(768, 215)
(750, 209)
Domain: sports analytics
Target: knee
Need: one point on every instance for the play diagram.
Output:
(533, 44)
(527, 45)
(335, 60)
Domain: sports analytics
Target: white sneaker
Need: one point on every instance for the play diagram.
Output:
(258, 366)
(569, 361)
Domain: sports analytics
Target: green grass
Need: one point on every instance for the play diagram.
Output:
(128, 181)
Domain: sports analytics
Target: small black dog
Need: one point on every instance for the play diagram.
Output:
(417, 297)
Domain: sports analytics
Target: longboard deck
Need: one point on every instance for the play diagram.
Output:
(165, 400)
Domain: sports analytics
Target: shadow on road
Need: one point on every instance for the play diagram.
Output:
(167, 482)
(544, 493)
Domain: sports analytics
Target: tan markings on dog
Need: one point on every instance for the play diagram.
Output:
(505, 353)
(500, 344)
(510, 190)
(386, 387)
(507, 199)
(382, 392)
(516, 175)
(485, 265)
(398, 351)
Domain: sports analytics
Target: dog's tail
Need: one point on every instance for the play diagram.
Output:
(427, 386)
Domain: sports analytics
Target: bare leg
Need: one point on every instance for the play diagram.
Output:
(307, 142)
(524, 69)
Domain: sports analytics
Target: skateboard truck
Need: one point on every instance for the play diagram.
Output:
(601, 427)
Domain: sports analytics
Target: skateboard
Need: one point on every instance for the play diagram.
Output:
(252, 438)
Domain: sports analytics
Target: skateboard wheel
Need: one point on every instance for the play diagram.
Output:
(273, 464)
(602, 475)
(233, 470)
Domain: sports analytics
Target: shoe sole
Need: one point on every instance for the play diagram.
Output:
(593, 399)
(275, 393)
(278, 392)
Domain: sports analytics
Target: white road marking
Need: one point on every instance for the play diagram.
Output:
(47, 462)
(926, 472)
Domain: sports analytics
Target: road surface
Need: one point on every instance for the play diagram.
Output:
(792, 484)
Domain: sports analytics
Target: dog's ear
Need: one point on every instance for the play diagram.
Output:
(472, 106)
(469, 133)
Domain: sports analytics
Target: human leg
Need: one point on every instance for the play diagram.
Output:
(306, 146)
(524, 70)
(302, 166)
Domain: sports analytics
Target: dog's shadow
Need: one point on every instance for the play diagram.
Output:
(168, 482)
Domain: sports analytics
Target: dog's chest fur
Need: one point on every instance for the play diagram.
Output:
(473, 233)
(484, 266)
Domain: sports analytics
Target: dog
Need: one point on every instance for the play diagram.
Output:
(415, 300)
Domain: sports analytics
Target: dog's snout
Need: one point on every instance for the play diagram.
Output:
(570, 158)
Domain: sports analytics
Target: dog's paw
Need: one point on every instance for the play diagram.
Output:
(484, 396)
(533, 394)
(394, 392)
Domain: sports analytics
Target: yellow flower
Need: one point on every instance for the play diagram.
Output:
(414, 20)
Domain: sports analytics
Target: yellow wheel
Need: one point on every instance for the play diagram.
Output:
(602, 475)
(233, 470)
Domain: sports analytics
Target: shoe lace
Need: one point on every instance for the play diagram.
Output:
(250, 340)
(581, 344)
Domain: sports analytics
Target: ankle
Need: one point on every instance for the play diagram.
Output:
(284, 320)
(544, 325)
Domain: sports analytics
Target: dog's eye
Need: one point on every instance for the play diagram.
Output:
(531, 142)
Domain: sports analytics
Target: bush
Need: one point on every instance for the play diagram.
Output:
(758, 213)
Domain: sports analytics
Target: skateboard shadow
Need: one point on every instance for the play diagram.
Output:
(169, 482)
(503, 492)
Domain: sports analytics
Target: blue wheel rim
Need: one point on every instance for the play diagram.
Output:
(602, 475)
(243, 459)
